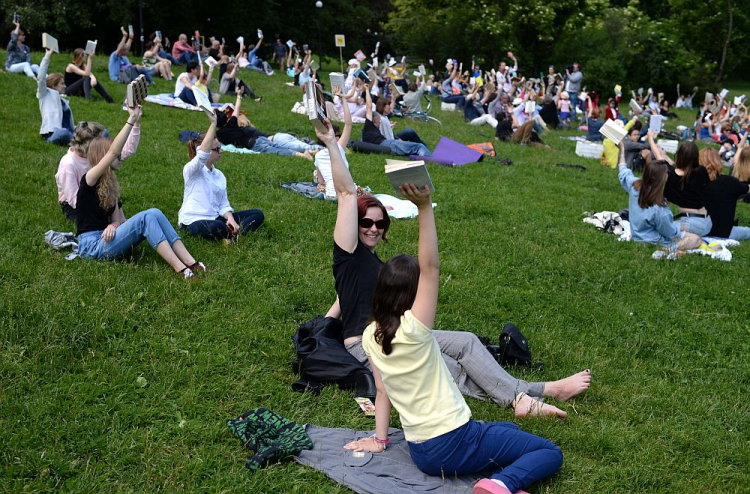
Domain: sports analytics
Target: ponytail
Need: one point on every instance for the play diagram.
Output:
(395, 291)
(194, 144)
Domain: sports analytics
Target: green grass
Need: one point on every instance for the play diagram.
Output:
(667, 341)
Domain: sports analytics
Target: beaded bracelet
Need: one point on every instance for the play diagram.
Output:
(381, 441)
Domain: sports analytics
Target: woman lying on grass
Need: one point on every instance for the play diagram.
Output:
(405, 358)
(103, 231)
(361, 223)
(651, 220)
(205, 210)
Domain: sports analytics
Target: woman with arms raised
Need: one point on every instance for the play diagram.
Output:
(361, 223)
(405, 358)
(103, 231)
(78, 77)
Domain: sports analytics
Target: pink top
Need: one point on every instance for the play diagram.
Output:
(178, 48)
(565, 105)
(72, 168)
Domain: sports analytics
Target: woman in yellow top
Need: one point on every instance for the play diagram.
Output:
(411, 374)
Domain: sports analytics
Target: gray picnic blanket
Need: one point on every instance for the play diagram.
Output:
(393, 471)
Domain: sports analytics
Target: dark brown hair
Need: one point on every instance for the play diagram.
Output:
(687, 160)
(380, 105)
(395, 291)
(651, 186)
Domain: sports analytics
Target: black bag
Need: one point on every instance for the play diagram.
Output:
(513, 348)
(638, 163)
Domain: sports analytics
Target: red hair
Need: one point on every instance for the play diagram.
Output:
(368, 201)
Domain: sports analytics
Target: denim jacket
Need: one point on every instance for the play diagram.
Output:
(651, 225)
(16, 54)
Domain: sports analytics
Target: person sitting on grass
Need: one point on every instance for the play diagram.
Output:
(685, 185)
(183, 86)
(361, 224)
(79, 80)
(118, 60)
(721, 197)
(103, 231)
(205, 210)
(204, 82)
(524, 134)
(155, 63)
(160, 48)
(372, 134)
(75, 163)
(323, 173)
(239, 131)
(182, 52)
(384, 107)
(230, 82)
(451, 95)
(651, 220)
(410, 374)
(57, 118)
(18, 56)
(594, 123)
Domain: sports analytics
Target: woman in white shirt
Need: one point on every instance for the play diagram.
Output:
(205, 210)
(324, 175)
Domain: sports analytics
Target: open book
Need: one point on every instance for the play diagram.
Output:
(315, 106)
(314, 66)
(613, 132)
(422, 70)
(90, 47)
(202, 99)
(635, 106)
(337, 79)
(359, 55)
(137, 91)
(412, 172)
(211, 61)
(50, 43)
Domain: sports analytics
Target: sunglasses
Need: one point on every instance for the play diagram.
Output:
(367, 223)
(217, 149)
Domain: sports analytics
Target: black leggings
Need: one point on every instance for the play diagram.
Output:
(83, 85)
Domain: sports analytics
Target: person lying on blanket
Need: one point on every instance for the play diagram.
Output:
(239, 132)
(361, 223)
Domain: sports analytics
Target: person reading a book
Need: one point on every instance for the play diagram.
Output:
(118, 62)
(182, 52)
(18, 56)
(75, 163)
(324, 175)
(384, 108)
(103, 231)
(155, 63)
(410, 374)
(183, 86)
(651, 220)
(361, 224)
(78, 77)
(205, 210)
(239, 131)
(372, 134)
(230, 82)
(452, 94)
(203, 83)
(161, 48)
(57, 117)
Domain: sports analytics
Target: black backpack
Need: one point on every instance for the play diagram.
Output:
(513, 348)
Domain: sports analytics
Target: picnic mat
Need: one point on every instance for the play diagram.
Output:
(451, 153)
(168, 99)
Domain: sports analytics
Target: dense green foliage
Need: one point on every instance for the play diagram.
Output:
(119, 376)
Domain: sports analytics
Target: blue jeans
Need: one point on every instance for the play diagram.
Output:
(249, 220)
(168, 56)
(187, 57)
(144, 71)
(573, 105)
(150, 224)
(699, 226)
(458, 99)
(188, 97)
(516, 458)
(740, 233)
(406, 148)
(288, 141)
(60, 136)
(409, 135)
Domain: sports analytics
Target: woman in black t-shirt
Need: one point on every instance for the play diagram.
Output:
(103, 231)
(361, 223)
(79, 80)
(721, 197)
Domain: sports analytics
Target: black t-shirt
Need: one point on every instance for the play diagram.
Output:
(504, 130)
(90, 216)
(71, 78)
(689, 195)
(355, 275)
(242, 137)
(371, 133)
(721, 202)
(548, 113)
(214, 53)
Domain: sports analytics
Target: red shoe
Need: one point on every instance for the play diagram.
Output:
(187, 274)
(487, 486)
(198, 266)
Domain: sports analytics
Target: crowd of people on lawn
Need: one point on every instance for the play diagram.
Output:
(388, 309)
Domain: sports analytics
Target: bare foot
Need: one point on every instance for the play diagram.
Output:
(306, 155)
(567, 388)
(526, 406)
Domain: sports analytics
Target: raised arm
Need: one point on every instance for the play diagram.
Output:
(238, 103)
(41, 80)
(425, 303)
(346, 232)
(368, 103)
(123, 41)
(115, 150)
(210, 75)
(347, 132)
(208, 140)
(740, 149)
(658, 152)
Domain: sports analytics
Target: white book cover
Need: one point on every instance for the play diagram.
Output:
(723, 93)
(530, 108)
(359, 55)
(158, 35)
(130, 30)
(211, 61)
(314, 66)
(612, 131)
(315, 106)
(50, 43)
(289, 43)
(655, 123)
(635, 106)
(260, 34)
(337, 79)
(202, 99)
(422, 70)
(241, 40)
(413, 172)
(90, 47)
